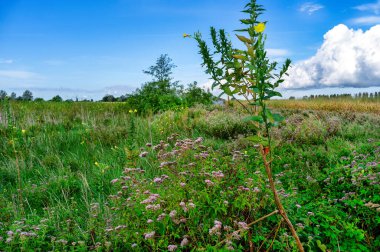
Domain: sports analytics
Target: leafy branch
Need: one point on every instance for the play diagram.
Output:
(251, 75)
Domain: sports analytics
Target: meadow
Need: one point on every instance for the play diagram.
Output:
(97, 176)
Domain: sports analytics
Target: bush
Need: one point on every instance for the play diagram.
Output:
(224, 125)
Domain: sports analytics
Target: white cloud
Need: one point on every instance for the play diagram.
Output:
(272, 52)
(368, 20)
(17, 74)
(374, 7)
(310, 7)
(347, 57)
(6, 61)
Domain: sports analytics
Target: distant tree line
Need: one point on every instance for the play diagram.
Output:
(161, 93)
(364, 95)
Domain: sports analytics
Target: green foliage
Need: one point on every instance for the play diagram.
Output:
(221, 125)
(56, 98)
(162, 70)
(27, 96)
(70, 153)
(195, 95)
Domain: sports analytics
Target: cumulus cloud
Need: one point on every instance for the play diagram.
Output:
(375, 7)
(347, 58)
(310, 7)
(367, 20)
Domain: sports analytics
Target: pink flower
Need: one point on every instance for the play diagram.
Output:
(149, 235)
(209, 182)
(157, 180)
(172, 247)
(243, 225)
(184, 242)
(143, 154)
(191, 205)
(173, 213)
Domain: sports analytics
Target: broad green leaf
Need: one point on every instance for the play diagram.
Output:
(257, 118)
(278, 117)
(258, 140)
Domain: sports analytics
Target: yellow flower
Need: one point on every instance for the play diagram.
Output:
(135, 111)
(130, 111)
(260, 28)
(96, 163)
(185, 35)
(23, 131)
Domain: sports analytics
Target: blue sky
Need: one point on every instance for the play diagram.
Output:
(87, 48)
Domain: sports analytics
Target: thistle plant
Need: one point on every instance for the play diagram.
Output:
(249, 74)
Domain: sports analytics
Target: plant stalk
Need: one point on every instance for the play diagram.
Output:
(277, 201)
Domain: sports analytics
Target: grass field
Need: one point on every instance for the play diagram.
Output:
(94, 176)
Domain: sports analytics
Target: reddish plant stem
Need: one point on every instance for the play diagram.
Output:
(277, 201)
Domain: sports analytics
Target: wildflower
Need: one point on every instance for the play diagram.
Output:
(259, 28)
(235, 235)
(153, 207)
(209, 182)
(135, 110)
(130, 111)
(191, 205)
(218, 174)
(172, 247)
(183, 205)
(183, 184)
(149, 221)
(157, 180)
(149, 235)
(173, 213)
(161, 217)
(143, 154)
(23, 131)
(114, 181)
(243, 225)
(185, 35)
(184, 242)
(96, 163)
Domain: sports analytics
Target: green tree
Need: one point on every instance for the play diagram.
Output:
(108, 98)
(160, 93)
(39, 99)
(196, 95)
(56, 98)
(3, 95)
(27, 96)
(13, 96)
(162, 70)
